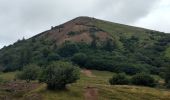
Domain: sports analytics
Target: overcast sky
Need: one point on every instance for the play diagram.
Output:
(26, 18)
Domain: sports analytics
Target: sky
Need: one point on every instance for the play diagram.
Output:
(26, 18)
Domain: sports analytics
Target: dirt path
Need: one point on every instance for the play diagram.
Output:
(87, 72)
(91, 93)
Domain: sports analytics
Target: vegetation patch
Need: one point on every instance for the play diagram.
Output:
(73, 33)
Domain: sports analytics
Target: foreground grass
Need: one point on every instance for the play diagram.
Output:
(100, 81)
(8, 76)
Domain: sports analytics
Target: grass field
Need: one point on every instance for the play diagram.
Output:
(98, 81)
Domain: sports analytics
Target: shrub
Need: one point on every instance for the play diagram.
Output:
(53, 57)
(110, 45)
(58, 74)
(29, 72)
(167, 74)
(71, 33)
(68, 49)
(99, 64)
(119, 79)
(130, 69)
(143, 80)
(168, 84)
(80, 59)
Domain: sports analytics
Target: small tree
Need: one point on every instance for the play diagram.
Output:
(110, 45)
(68, 49)
(80, 59)
(143, 80)
(29, 72)
(168, 84)
(58, 74)
(94, 44)
(167, 76)
(120, 79)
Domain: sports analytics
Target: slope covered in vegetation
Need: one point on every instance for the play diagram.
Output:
(94, 44)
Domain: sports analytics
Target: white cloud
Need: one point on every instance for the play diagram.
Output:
(158, 19)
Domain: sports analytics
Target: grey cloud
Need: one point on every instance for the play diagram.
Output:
(126, 11)
(25, 18)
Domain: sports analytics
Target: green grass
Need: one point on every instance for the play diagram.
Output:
(167, 53)
(8, 76)
(105, 91)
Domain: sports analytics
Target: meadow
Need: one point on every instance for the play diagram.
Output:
(92, 85)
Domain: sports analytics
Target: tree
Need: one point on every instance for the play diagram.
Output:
(120, 79)
(80, 59)
(58, 74)
(168, 84)
(143, 79)
(110, 45)
(94, 43)
(29, 72)
(68, 49)
(129, 69)
(53, 57)
(167, 75)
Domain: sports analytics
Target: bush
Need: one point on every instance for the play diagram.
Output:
(58, 74)
(29, 72)
(119, 79)
(71, 33)
(143, 80)
(168, 84)
(68, 49)
(80, 59)
(167, 74)
(129, 69)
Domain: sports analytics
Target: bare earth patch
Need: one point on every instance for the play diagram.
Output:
(91, 93)
(18, 86)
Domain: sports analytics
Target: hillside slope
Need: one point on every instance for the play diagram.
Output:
(105, 45)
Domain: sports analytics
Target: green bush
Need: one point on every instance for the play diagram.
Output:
(80, 59)
(119, 79)
(168, 84)
(29, 72)
(68, 49)
(129, 69)
(58, 74)
(71, 33)
(143, 80)
(167, 74)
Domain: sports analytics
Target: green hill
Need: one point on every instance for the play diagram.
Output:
(102, 47)
(105, 45)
